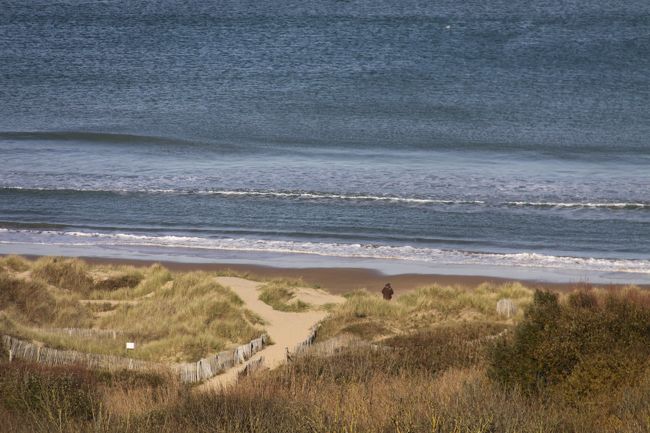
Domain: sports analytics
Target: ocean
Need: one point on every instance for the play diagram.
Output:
(507, 138)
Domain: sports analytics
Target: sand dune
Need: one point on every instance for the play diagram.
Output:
(285, 329)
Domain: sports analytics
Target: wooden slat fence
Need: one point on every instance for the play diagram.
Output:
(212, 365)
(252, 367)
(19, 349)
(190, 372)
(85, 332)
(302, 347)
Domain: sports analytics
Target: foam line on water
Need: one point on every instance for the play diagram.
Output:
(327, 196)
(619, 205)
(332, 249)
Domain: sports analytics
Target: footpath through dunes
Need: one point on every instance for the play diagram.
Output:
(286, 329)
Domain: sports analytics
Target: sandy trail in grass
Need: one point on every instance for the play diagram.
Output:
(285, 329)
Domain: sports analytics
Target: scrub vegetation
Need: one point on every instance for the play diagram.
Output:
(436, 360)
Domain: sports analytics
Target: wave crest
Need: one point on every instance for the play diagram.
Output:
(351, 197)
(331, 249)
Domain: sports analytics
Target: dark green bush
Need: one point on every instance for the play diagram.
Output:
(584, 348)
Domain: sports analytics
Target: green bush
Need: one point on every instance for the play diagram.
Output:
(586, 347)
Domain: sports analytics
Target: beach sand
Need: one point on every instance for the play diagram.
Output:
(343, 280)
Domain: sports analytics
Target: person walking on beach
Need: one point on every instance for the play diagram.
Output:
(387, 292)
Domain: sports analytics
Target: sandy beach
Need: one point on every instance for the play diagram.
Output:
(342, 280)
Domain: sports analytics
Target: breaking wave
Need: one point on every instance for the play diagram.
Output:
(559, 205)
(326, 196)
(331, 249)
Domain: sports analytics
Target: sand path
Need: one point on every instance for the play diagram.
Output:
(285, 329)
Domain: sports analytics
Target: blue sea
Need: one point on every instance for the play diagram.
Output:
(507, 138)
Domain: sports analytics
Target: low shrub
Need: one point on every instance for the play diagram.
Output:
(586, 347)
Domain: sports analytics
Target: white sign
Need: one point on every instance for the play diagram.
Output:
(130, 346)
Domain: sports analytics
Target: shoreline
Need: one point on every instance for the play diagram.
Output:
(339, 280)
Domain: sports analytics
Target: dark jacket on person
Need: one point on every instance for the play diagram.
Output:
(387, 291)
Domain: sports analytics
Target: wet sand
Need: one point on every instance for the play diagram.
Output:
(342, 280)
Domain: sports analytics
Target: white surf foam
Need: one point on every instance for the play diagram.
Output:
(327, 196)
(260, 193)
(605, 205)
(349, 250)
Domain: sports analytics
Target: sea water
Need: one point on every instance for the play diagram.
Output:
(507, 137)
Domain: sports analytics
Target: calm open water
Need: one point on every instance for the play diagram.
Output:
(468, 136)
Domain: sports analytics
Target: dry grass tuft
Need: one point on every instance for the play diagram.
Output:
(280, 294)
(15, 263)
(64, 273)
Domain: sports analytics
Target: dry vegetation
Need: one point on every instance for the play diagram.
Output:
(280, 294)
(370, 317)
(436, 360)
(171, 317)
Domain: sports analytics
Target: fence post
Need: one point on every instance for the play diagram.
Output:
(11, 355)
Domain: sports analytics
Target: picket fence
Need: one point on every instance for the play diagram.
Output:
(190, 372)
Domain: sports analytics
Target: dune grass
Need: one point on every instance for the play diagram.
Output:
(369, 316)
(126, 282)
(187, 319)
(63, 273)
(31, 303)
(439, 362)
(280, 294)
(171, 317)
(432, 380)
(15, 263)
